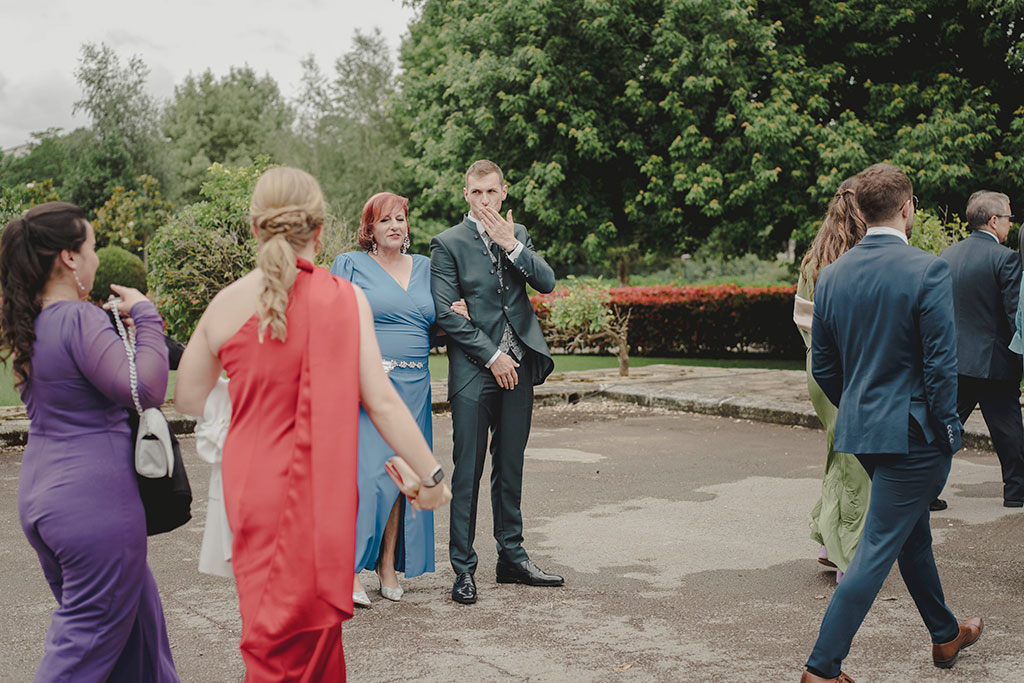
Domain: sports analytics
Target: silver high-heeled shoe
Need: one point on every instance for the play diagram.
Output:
(361, 598)
(393, 594)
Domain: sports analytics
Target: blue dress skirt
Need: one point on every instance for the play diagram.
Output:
(402, 319)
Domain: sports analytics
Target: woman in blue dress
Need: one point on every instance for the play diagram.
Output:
(398, 288)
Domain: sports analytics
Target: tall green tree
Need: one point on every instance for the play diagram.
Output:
(59, 158)
(648, 126)
(15, 200)
(642, 126)
(936, 86)
(229, 120)
(348, 135)
(130, 218)
(124, 115)
(102, 165)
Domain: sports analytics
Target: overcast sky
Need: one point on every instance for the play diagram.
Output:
(42, 39)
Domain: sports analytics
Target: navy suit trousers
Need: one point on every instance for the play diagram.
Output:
(482, 407)
(896, 529)
(1000, 406)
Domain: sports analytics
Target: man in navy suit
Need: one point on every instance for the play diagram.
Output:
(883, 349)
(986, 286)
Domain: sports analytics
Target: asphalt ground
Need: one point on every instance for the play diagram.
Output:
(683, 539)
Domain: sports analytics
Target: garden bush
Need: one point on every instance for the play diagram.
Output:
(204, 247)
(209, 244)
(583, 317)
(120, 267)
(701, 321)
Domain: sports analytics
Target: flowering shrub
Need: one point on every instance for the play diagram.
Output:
(582, 317)
(702, 321)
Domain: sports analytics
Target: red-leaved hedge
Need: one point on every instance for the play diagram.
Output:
(704, 321)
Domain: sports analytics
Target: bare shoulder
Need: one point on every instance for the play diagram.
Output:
(230, 309)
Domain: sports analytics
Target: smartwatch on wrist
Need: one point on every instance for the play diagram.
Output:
(434, 479)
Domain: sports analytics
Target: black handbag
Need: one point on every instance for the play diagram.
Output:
(167, 500)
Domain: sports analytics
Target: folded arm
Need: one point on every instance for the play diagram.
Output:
(101, 357)
(444, 278)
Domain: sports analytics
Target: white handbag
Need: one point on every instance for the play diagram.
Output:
(154, 455)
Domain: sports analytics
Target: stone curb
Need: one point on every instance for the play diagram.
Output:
(660, 386)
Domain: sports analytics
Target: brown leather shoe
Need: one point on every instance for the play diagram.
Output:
(944, 654)
(808, 677)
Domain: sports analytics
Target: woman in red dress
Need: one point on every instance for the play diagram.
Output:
(299, 348)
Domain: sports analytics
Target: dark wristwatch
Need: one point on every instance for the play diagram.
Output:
(434, 479)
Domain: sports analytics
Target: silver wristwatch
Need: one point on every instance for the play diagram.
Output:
(435, 478)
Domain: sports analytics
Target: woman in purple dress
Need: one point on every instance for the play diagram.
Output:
(77, 495)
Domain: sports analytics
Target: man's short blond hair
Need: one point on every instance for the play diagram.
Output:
(484, 167)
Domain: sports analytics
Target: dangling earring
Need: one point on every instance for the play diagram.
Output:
(78, 281)
(374, 247)
(406, 243)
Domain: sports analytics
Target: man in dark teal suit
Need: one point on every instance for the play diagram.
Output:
(883, 349)
(986, 287)
(494, 360)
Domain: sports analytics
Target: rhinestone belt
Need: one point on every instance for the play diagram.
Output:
(390, 365)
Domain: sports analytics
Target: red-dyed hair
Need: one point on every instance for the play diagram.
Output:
(378, 205)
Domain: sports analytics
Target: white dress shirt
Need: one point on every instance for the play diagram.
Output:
(883, 230)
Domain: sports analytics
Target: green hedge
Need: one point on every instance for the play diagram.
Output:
(710, 321)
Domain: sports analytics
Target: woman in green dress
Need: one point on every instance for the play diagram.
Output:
(837, 519)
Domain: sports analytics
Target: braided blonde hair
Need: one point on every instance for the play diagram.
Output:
(286, 210)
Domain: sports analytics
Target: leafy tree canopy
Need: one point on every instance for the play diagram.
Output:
(646, 126)
(130, 218)
(124, 114)
(348, 136)
(229, 120)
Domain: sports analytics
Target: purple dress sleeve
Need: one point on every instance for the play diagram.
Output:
(99, 353)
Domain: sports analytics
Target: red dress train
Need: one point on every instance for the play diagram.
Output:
(290, 481)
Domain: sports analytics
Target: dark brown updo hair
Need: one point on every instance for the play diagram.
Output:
(29, 247)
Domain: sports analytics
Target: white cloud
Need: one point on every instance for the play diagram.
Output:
(42, 43)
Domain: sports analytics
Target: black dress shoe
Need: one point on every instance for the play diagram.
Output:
(1007, 503)
(464, 590)
(526, 572)
(937, 504)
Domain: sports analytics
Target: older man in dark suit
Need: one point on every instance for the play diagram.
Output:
(883, 350)
(986, 286)
(495, 359)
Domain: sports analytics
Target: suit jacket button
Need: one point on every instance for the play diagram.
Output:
(506, 308)
(499, 290)
(492, 271)
(484, 252)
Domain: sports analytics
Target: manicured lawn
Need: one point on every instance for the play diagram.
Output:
(439, 363)
(439, 368)
(9, 395)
